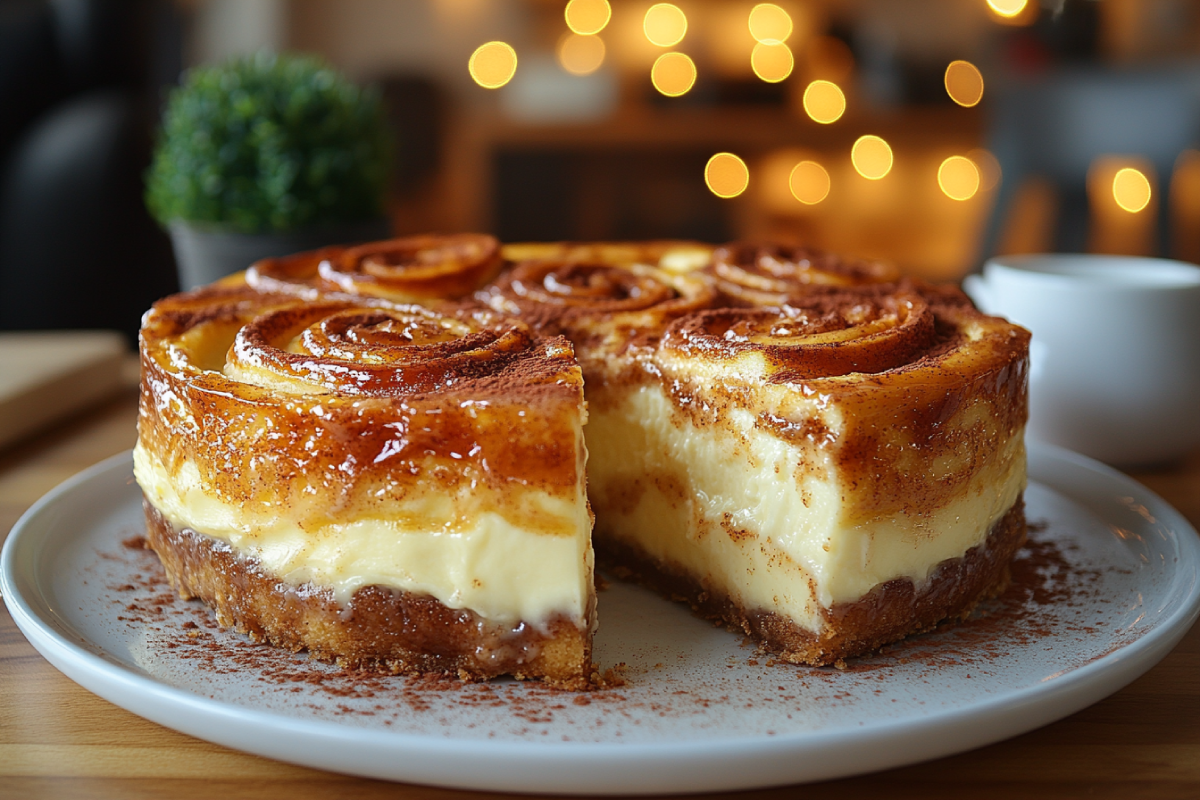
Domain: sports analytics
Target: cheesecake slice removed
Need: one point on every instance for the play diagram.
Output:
(386, 486)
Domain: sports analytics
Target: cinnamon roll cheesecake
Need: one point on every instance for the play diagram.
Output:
(377, 452)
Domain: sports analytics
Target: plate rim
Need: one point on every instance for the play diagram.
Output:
(1007, 715)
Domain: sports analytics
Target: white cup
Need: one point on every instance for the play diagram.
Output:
(1115, 356)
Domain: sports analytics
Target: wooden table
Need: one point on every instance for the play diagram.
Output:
(58, 740)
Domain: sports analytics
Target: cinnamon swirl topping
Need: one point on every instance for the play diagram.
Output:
(413, 269)
(602, 288)
(369, 351)
(768, 275)
(576, 296)
(223, 360)
(822, 335)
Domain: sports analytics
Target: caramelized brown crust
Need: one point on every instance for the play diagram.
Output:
(820, 335)
(757, 274)
(602, 297)
(270, 396)
(379, 629)
(888, 613)
(409, 270)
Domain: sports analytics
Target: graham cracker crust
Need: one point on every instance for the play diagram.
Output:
(380, 629)
(889, 612)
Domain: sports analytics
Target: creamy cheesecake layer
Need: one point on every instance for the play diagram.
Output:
(775, 525)
(465, 556)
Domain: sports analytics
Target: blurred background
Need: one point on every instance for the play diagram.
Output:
(927, 133)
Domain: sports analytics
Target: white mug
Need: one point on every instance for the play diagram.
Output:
(1115, 355)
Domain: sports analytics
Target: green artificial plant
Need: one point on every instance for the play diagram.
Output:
(270, 143)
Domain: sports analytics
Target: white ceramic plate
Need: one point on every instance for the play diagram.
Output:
(1110, 584)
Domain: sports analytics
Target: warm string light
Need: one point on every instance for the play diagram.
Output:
(673, 74)
(1131, 189)
(1013, 12)
(770, 24)
(772, 61)
(1121, 202)
(665, 25)
(824, 102)
(579, 54)
(493, 64)
(872, 157)
(809, 182)
(587, 17)
(1007, 8)
(964, 83)
(726, 175)
(958, 178)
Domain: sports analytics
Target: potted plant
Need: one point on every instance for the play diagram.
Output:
(263, 156)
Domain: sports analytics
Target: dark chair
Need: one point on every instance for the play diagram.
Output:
(1055, 126)
(77, 248)
(80, 82)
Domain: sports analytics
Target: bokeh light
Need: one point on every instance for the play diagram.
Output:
(1122, 201)
(809, 182)
(580, 55)
(1007, 8)
(1131, 189)
(824, 102)
(664, 24)
(673, 74)
(772, 62)
(770, 24)
(587, 17)
(726, 175)
(964, 83)
(493, 64)
(872, 157)
(958, 178)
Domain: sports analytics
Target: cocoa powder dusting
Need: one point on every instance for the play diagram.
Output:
(1043, 577)
(188, 629)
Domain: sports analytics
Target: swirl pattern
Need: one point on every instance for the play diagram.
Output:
(370, 351)
(234, 363)
(820, 335)
(585, 291)
(409, 270)
(601, 288)
(769, 275)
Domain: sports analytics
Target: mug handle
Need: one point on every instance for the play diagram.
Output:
(977, 289)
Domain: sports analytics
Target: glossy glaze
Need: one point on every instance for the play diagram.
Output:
(413, 269)
(754, 273)
(312, 406)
